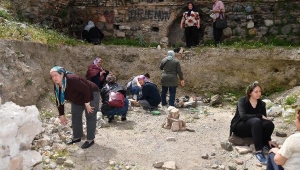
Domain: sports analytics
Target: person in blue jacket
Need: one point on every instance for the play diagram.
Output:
(150, 97)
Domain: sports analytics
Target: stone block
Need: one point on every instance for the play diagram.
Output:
(235, 140)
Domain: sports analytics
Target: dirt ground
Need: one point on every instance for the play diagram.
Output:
(141, 141)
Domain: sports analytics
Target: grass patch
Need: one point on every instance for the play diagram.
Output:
(5, 15)
(46, 114)
(290, 119)
(290, 99)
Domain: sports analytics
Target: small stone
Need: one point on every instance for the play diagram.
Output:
(258, 164)
(239, 162)
(69, 163)
(111, 163)
(243, 149)
(213, 154)
(214, 166)
(227, 146)
(158, 164)
(222, 167)
(204, 156)
(60, 160)
(171, 139)
(232, 167)
(170, 165)
(281, 134)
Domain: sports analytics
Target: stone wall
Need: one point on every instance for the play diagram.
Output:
(153, 20)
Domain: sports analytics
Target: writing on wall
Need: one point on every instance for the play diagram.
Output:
(111, 2)
(148, 14)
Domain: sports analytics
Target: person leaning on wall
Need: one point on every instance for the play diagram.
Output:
(191, 23)
(217, 8)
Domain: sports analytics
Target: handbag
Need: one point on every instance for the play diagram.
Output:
(221, 22)
(116, 99)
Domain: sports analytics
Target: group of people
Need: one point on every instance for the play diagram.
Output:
(191, 23)
(84, 94)
(250, 120)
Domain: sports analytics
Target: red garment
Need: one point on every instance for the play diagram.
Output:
(92, 71)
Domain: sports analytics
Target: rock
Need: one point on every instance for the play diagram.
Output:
(169, 165)
(214, 166)
(60, 160)
(205, 156)
(227, 146)
(274, 111)
(216, 100)
(232, 167)
(171, 139)
(239, 161)
(112, 163)
(158, 164)
(235, 140)
(69, 163)
(243, 149)
(221, 167)
(281, 134)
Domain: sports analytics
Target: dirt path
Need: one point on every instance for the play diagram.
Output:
(141, 141)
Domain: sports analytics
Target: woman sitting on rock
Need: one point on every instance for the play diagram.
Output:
(250, 120)
(287, 157)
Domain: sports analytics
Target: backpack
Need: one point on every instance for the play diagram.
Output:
(116, 99)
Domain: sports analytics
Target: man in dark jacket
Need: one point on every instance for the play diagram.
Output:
(108, 110)
(150, 98)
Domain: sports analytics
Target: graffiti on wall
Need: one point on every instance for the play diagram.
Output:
(111, 2)
(135, 14)
(107, 17)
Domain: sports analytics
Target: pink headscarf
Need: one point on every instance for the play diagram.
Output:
(96, 61)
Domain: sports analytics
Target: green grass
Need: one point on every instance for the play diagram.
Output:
(291, 99)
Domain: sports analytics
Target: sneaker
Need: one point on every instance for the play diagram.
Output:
(261, 157)
(87, 144)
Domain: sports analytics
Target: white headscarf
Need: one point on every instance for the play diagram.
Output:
(89, 25)
(170, 55)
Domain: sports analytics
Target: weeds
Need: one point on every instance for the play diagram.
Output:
(291, 99)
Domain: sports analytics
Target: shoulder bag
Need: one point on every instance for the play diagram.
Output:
(221, 22)
(116, 99)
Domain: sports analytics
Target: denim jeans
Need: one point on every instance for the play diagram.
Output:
(119, 111)
(172, 91)
(271, 163)
(135, 90)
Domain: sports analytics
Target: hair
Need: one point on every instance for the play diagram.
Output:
(147, 75)
(111, 78)
(251, 87)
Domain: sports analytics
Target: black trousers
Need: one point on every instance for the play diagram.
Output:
(191, 36)
(259, 129)
(217, 34)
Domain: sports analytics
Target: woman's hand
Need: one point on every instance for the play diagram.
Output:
(88, 107)
(264, 117)
(274, 150)
(272, 144)
(182, 82)
(63, 120)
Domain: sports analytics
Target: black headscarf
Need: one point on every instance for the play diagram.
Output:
(189, 11)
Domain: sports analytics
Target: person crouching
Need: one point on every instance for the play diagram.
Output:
(108, 110)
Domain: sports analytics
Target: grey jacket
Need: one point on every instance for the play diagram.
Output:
(171, 70)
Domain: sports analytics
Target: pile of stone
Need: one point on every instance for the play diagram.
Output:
(172, 121)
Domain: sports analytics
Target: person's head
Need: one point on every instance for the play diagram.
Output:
(171, 54)
(91, 23)
(190, 5)
(253, 90)
(98, 62)
(142, 79)
(57, 73)
(111, 78)
(213, 1)
(297, 118)
(147, 75)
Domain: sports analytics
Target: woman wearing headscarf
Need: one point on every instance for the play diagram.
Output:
(83, 95)
(108, 110)
(96, 73)
(150, 97)
(171, 70)
(85, 32)
(191, 23)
